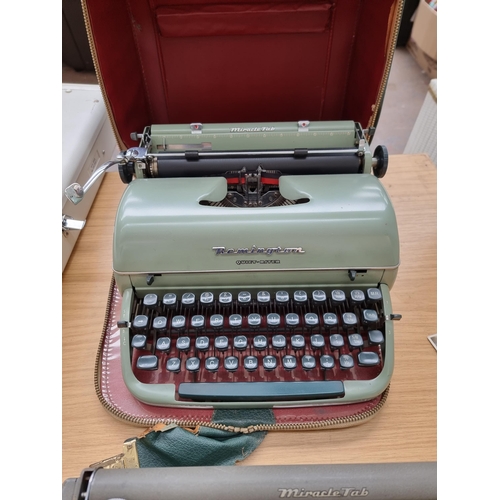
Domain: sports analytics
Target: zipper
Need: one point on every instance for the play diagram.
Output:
(93, 53)
(385, 78)
(331, 423)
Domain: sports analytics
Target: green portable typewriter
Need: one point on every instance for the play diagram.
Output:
(255, 262)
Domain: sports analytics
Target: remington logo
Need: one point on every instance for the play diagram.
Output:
(256, 250)
(331, 493)
(253, 129)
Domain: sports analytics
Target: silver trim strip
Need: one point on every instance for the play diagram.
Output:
(201, 154)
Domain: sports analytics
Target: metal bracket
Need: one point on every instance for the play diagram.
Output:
(196, 128)
(303, 125)
(70, 224)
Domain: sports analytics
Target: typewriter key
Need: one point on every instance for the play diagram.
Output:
(289, 362)
(270, 362)
(326, 362)
(254, 320)
(336, 341)
(202, 343)
(174, 365)
(139, 341)
(355, 341)
(282, 298)
(240, 342)
(298, 342)
(163, 344)
(231, 363)
(308, 362)
(244, 298)
(221, 343)
(225, 298)
(193, 364)
(140, 323)
(374, 295)
(188, 299)
(300, 297)
(207, 299)
(260, 342)
(160, 324)
(346, 362)
(212, 364)
(338, 297)
(317, 341)
(367, 358)
(263, 298)
(178, 323)
(273, 320)
(319, 297)
(183, 343)
(311, 320)
(169, 300)
(349, 320)
(279, 342)
(292, 320)
(198, 321)
(357, 296)
(329, 320)
(216, 321)
(375, 337)
(235, 321)
(149, 362)
(370, 317)
(250, 363)
(150, 300)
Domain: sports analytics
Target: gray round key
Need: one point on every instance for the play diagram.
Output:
(311, 320)
(355, 340)
(240, 342)
(202, 343)
(235, 320)
(374, 294)
(160, 323)
(169, 299)
(198, 321)
(221, 343)
(212, 364)
(260, 342)
(225, 298)
(179, 322)
(279, 341)
(330, 319)
(270, 362)
(357, 296)
(163, 344)
(193, 364)
(289, 362)
(254, 320)
(370, 316)
(319, 297)
(231, 363)
(148, 362)
(174, 365)
(336, 341)
(292, 320)
(298, 341)
(349, 319)
(300, 296)
(308, 362)
(375, 337)
(282, 297)
(150, 300)
(273, 320)
(139, 341)
(367, 358)
(338, 296)
(250, 363)
(326, 362)
(346, 362)
(140, 322)
(207, 299)
(183, 343)
(216, 321)
(188, 299)
(263, 297)
(244, 298)
(317, 341)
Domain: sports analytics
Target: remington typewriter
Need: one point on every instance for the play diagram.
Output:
(255, 262)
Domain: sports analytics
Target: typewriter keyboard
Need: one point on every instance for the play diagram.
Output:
(206, 343)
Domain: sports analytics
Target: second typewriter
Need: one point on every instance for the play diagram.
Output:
(255, 262)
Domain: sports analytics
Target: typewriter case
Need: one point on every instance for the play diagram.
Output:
(165, 62)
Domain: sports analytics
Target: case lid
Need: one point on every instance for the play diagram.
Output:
(165, 61)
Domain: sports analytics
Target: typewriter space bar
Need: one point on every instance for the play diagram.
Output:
(261, 391)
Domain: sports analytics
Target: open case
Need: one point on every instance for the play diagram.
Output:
(166, 62)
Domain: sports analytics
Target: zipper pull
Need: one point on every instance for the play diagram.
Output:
(128, 459)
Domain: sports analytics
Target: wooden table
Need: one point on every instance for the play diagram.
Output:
(405, 429)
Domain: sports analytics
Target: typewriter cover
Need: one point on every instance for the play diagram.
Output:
(167, 62)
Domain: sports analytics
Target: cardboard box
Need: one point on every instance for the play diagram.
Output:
(423, 40)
